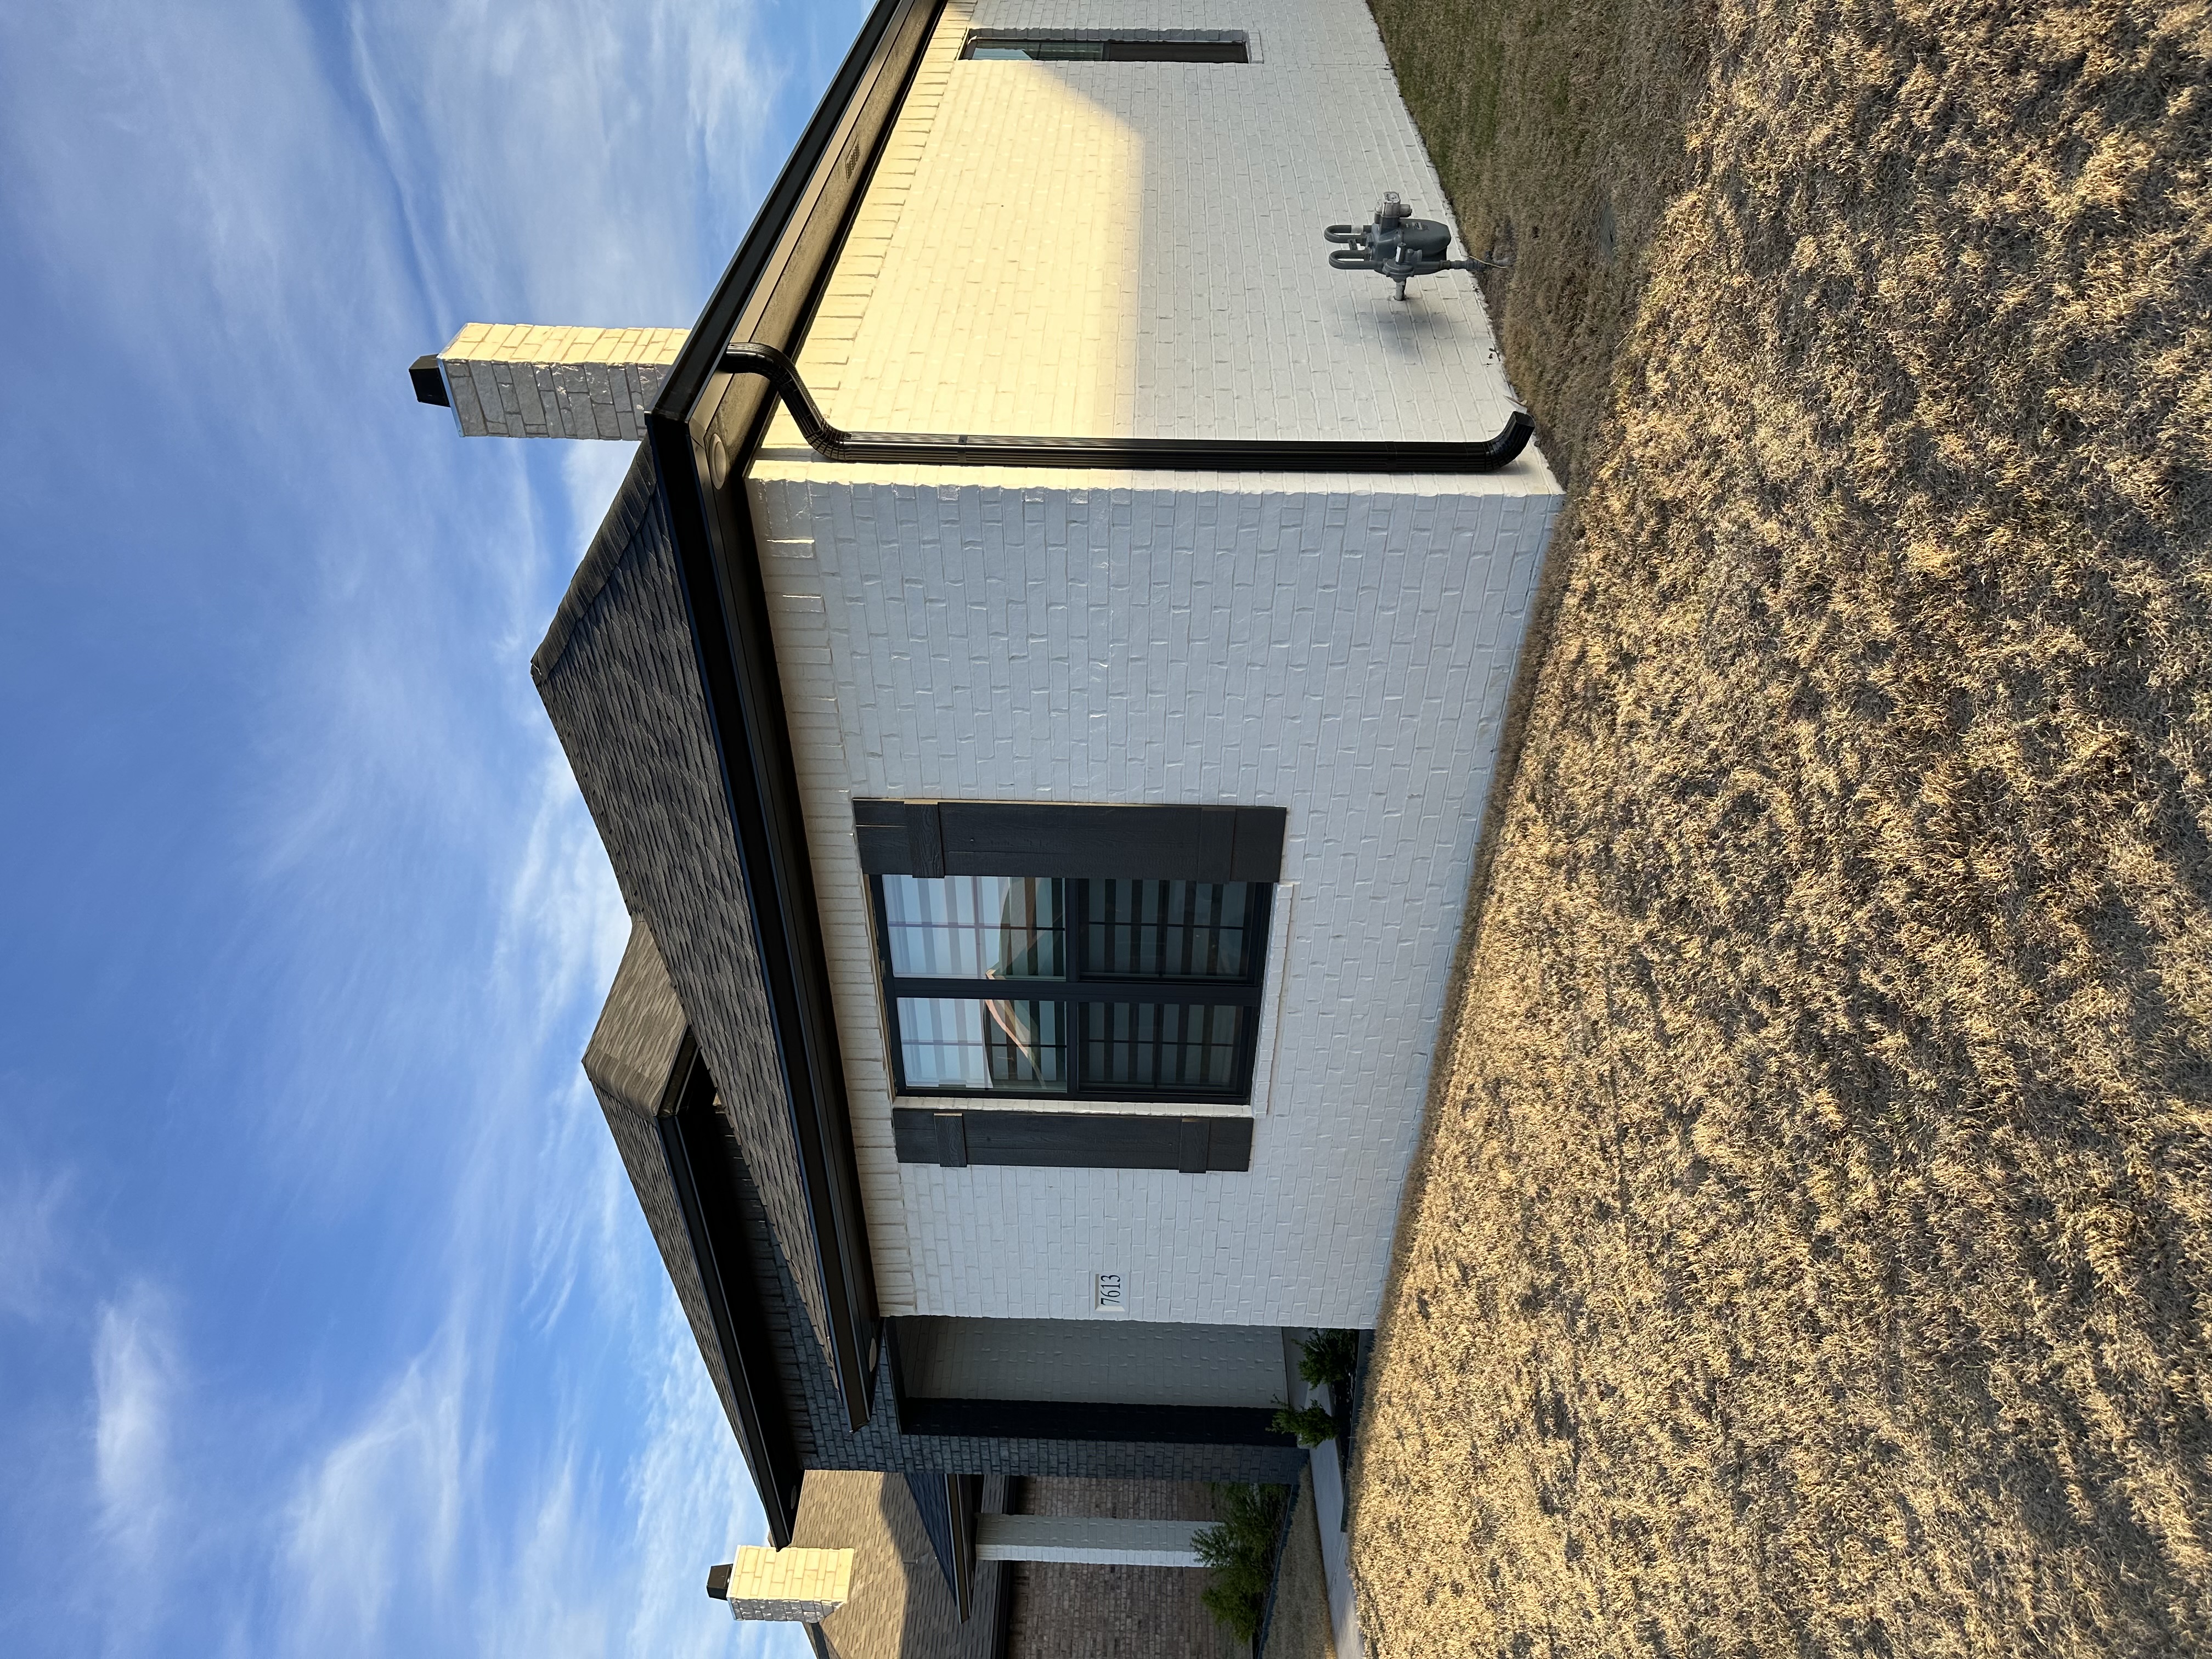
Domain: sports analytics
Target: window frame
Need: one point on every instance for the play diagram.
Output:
(1077, 989)
(1136, 45)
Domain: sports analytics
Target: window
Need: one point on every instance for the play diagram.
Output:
(1136, 46)
(1109, 952)
(1083, 987)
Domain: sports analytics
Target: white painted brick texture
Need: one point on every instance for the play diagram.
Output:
(1135, 248)
(798, 1585)
(1347, 658)
(1090, 248)
(543, 380)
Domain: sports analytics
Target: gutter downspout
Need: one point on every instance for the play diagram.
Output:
(1179, 454)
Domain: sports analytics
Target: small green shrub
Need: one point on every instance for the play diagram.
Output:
(1311, 1424)
(1239, 1548)
(1329, 1358)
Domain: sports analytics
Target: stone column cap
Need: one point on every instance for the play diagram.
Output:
(806, 1585)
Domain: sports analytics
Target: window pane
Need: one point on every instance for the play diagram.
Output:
(1177, 52)
(1142, 1045)
(948, 1042)
(1113, 52)
(1170, 929)
(974, 926)
(1041, 50)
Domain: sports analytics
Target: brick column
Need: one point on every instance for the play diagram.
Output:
(807, 1585)
(525, 380)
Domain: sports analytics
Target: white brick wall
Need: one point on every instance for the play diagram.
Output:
(805, 1585)
(1080, 248)
(1041, 252)
(543, 380)
(1345, 658)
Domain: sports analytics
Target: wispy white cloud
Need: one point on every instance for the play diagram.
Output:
(633, 1583)
(691, 1499)
(380, 1514)
(265, 210)
(519, 140)
(601, 1544)
(136, 1380)
(30, 1238)
(590, 475)
(553, 1600)
(610, 1505)
(184, 171)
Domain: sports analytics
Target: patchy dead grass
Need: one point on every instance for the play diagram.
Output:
(1299, 1627)
(1559, 132)
(1812, 1248)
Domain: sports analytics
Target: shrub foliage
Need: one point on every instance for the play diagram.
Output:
(1239, 1548)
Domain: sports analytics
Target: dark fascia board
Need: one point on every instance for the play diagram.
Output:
(703, 431)
(886, 50)
(964, 1495)
(972, 449)
(692, 1141)
(946, 1506)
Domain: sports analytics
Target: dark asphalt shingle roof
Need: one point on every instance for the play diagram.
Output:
(900, 1607)
(634, 1049)
(619, 676)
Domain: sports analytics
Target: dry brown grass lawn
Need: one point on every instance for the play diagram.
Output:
(1813, 1250)
(1299, 1626)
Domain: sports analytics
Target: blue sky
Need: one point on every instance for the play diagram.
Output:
(327, 1323)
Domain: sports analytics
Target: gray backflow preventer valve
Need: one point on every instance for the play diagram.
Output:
(1398, 246)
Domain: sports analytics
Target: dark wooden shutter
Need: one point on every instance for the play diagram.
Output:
(900, 838)
(1192, 1144)
(1040, 838)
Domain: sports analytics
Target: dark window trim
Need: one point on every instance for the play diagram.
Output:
(1123, 46)
(704, 418)
(1053, 1419)
(694, 1141)
(1078, 988)
(1051, 838)
(1187, 1142)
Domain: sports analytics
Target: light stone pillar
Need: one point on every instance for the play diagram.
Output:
(807, 1585)
(525, 380)
(1090, 1540)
